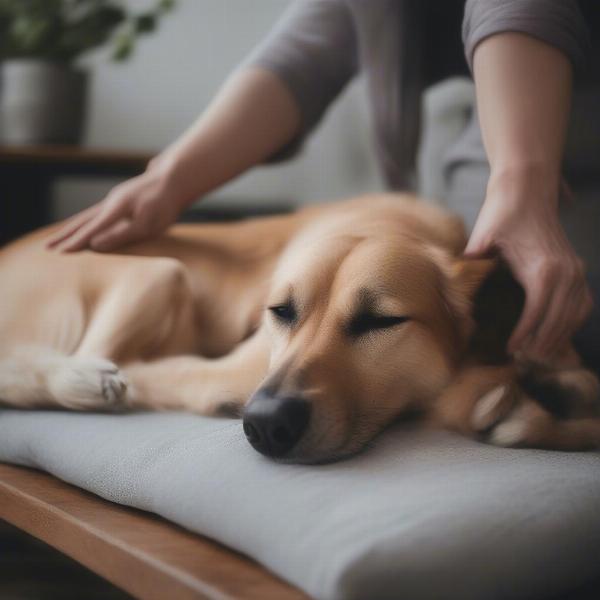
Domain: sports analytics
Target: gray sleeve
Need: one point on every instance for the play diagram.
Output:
(312, 50)
(556, 22)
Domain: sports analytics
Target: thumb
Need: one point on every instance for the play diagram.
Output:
(478, 246)
(121, 233)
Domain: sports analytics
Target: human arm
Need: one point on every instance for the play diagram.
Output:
(262, 113)
(523, 90)
(251, 117)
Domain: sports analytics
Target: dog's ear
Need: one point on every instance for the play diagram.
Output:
(467, 274)
(462, 278)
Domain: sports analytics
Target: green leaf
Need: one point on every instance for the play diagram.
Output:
(166, 5)
(32, 35)
(90, 31)
(65, 29)
(123, 48)
(145, 23)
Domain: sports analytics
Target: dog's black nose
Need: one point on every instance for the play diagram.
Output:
(274, 425)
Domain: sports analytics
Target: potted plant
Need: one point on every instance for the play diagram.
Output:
(42, 91)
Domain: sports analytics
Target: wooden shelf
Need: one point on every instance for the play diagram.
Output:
(54, 155)
(27, 174)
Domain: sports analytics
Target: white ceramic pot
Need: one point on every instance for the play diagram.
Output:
(41, 102)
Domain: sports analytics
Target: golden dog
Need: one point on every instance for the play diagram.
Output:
(320, 327)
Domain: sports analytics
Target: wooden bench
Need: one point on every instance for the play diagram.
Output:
(138, 552)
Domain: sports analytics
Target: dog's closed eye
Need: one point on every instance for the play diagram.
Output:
(367, 322)
(285, 313)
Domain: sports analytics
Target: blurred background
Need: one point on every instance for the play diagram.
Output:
(145, 101)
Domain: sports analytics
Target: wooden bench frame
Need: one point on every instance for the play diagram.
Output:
(136, 551)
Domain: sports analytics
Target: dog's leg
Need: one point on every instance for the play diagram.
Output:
(490, 403)
(530, 425)
(37, 377)
(147, 312)
(566, 412)
(207, 386)
(566, 389)
(476, 397)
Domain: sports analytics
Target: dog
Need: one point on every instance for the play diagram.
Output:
(319, 328)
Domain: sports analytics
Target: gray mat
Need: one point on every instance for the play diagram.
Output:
(422, 514)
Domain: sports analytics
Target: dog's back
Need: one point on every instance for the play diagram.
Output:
(50, 297)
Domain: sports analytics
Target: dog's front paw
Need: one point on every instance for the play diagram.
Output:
(506, 416)
(89, 384)
(493, 407)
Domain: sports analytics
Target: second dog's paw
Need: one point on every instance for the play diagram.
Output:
(89, 384)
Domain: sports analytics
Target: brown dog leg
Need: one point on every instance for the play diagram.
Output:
(477, 398)
(146, 312)
(206, 386)
(489, 403)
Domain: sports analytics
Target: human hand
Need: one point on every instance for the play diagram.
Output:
(521, 223)
(136, 209)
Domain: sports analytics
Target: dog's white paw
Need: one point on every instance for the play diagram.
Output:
(485, 413)
(88, 384)
(493, 407)
(504, 416)
(514, 431)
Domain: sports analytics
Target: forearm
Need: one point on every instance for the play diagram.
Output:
(523, 91)
(523, 97)
(251, 117)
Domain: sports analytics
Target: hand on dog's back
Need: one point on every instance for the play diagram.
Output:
(137, 209)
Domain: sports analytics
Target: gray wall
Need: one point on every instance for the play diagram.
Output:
(146, 102)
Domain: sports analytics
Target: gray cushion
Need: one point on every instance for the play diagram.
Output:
(422, 514)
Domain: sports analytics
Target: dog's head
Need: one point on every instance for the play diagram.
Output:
(365, 324)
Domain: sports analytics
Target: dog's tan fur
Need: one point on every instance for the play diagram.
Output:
(184, 318)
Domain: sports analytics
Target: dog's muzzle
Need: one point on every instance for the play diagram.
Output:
(273, 425)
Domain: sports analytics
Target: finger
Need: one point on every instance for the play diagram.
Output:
(477, 247)
(571, 305)
(82, 237)
(121, 233)
(580, 306)
(567, 191)
(554, 324)
(536, 300)
(70, 226)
